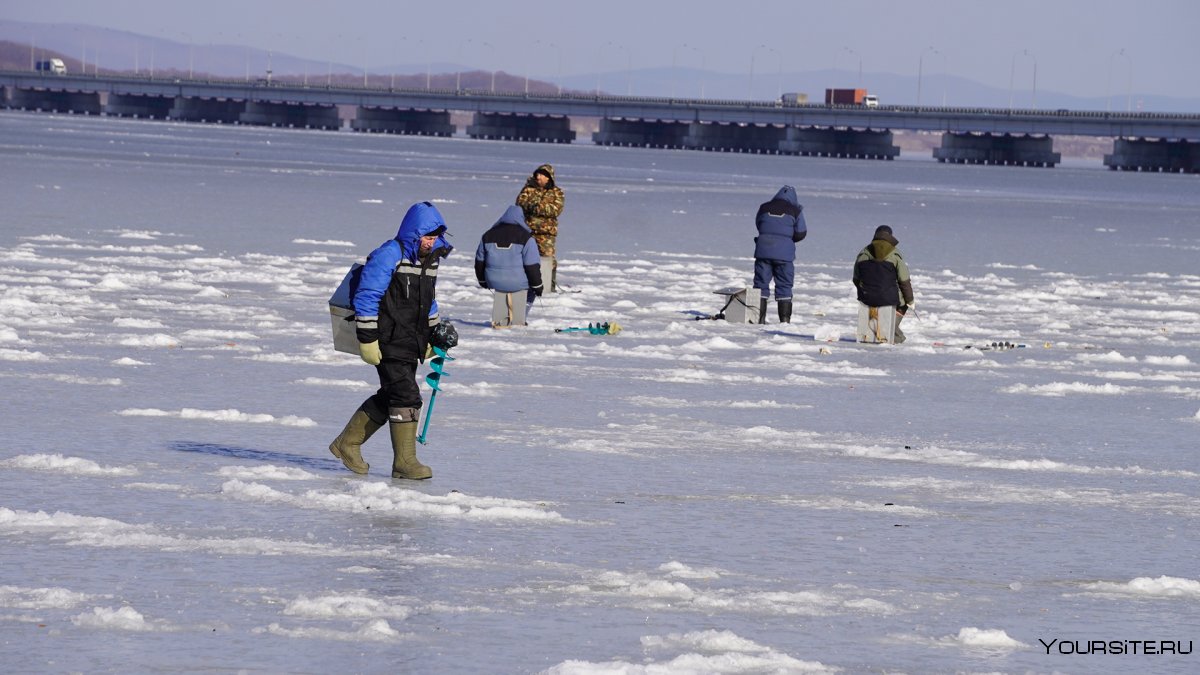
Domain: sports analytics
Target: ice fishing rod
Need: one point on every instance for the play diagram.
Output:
(437, 364)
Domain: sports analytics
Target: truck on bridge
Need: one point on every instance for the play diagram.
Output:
(52, 66)
(850, 97)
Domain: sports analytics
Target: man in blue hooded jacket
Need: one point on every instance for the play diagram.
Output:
(396, 318)
(507, 262)
(780, 224)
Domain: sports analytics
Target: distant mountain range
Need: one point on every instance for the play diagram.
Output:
(112, 50)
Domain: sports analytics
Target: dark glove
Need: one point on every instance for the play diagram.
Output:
(537, 290)
(483, 284)
(444, 336)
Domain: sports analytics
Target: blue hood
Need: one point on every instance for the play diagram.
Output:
(421, 220)
(788, 194)
(514, 215)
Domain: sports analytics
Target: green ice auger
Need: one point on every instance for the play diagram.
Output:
(433, 379)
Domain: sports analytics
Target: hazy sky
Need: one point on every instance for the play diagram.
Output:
(1073, 44)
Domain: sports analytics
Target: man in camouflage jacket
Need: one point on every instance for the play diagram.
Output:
(542, 202)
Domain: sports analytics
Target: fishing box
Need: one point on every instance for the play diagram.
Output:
(341, 313)
(876, 324)
(737, 306)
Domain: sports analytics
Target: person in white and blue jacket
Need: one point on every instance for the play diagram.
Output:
(396, 317)
(780, 224)
(507, 259)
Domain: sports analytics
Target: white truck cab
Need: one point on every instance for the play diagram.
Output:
(871, 101)
(52, 66)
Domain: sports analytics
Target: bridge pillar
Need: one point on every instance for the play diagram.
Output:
(734, 137)
(510, 127)
(223, 111)
(845, 143)
(1008, 150)
(135, 105)
(300, 115)
(408, 122)
(86, 103)
(1139, 154)
(641, 133)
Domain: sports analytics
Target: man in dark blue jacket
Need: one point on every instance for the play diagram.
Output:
(507, 262)
(780, 224)
(396, 317)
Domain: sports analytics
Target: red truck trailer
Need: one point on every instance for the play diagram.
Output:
(845, 96)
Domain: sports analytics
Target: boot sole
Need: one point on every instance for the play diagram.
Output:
(396, 474)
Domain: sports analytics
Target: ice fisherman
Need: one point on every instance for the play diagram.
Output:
(781, 225)
(507, 262)
(396, 320)
(541, 200)
(881, 276)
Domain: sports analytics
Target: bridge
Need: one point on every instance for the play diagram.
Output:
(1021, 137)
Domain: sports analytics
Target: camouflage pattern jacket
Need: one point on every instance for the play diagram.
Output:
(542, 206)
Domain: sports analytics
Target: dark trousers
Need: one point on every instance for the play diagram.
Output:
(782, 271)
(397, 389)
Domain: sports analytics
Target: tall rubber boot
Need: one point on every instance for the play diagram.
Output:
(899, 335)
(762, 310)
(404, 447)
(785, 311)
(348, 445)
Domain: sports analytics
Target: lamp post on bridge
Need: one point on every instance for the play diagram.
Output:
(600, 63)
(847, 49)
(675, 72)
(489, 46)
(557, 76)
(458, 65)
(1128, 82)
(1012, 74)
(921, 69)
(754, 53)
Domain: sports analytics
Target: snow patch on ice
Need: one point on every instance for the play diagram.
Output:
(124, 618)
(647, 592)
(69, 465)
(324, 382)
(1159, 587)
(345, 607)
(682, 571)
(1108, 357)
(377, 630)
(22, 355)
(156, 340)
(265, 473)
(973, 639)
(122, 322)
(229, 415)
(950, 457)
(384, 498)
(708, 651)
(108, 533)
(18, 597)
(1177, 360)
(324, 242)
(1064, 388)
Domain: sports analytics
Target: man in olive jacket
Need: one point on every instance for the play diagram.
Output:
(881, 276)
